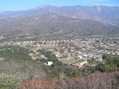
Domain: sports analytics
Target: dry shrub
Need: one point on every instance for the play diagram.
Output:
(94, 81)
(37, 84)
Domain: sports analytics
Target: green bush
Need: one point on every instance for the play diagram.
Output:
(14, 52)
(111, 63)
(8, 81)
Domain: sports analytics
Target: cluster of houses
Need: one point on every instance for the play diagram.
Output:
(70, 51)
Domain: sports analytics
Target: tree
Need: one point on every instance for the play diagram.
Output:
(8, 81)
(111, 63)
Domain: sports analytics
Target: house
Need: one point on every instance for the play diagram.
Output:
(79, 56)
(49, 63)
(35, 57)
(42, 56)
(76, 65)
(82, 63)
(57, 54)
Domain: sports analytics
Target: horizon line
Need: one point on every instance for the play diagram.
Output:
(57, 6)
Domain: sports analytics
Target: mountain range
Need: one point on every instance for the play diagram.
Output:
(66, 21)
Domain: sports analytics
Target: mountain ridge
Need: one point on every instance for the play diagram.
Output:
(53, 24)
(67, 21)
(103, 12)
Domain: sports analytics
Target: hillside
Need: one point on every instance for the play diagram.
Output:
(58, 25)
(61, 22)
(103, 12)
(15, 60)
(68, 47)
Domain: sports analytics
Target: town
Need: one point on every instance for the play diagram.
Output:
(74, 51)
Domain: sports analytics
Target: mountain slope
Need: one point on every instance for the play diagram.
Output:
(103, 12)
(53, 24)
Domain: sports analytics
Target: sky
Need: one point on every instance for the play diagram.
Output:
(16, 5)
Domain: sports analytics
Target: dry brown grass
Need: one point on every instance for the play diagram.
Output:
(94, 81)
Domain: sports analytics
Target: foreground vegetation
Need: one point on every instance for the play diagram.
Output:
(18, 70)
(9, 81)
(93, 81)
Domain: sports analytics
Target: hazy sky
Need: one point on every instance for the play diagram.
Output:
(12, 5)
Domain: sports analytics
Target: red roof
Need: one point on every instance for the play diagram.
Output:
(76, 64)
(35, 57)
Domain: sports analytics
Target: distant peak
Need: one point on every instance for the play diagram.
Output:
(98, 8)
(45, 6)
